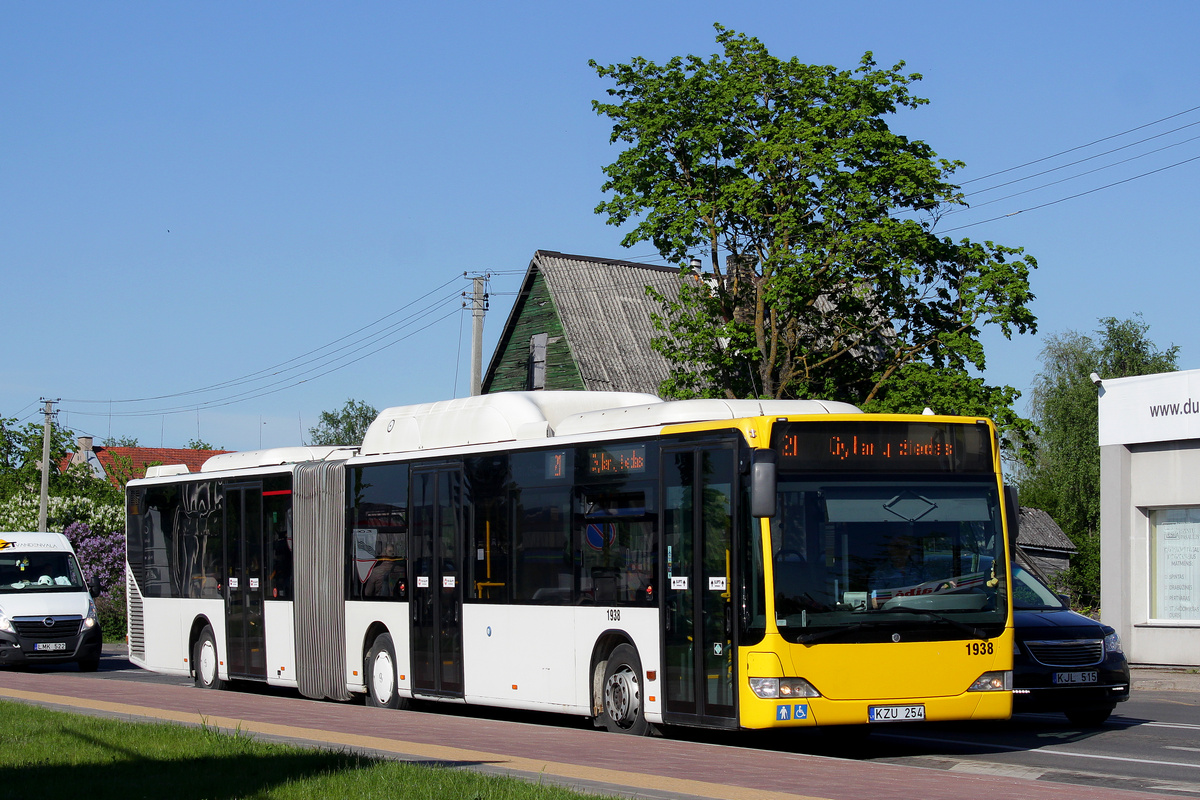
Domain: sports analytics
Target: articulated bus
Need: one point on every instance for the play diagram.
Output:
(721, 564)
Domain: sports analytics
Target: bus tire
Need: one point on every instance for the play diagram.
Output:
(621, 693)
(206, 664)
(382, 686)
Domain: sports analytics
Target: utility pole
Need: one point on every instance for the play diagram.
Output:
(44, 503)
(478, 307)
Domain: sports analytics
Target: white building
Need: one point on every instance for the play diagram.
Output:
(1150, 515)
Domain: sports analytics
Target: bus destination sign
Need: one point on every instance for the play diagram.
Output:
(616, 460)
(898, 446)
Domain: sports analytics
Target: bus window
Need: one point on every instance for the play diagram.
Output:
(379, 532)
(616, 527)
(542, 568)
(487, 523)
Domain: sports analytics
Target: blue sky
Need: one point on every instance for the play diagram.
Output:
(200, 195)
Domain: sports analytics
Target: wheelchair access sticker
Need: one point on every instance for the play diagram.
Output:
(790, 712)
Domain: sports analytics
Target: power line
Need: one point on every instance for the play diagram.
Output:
(300, 371)
(1072, 197)
(1081, 147)
(267, 390)
(1100, 155)
(253, 375)
(1070, 178)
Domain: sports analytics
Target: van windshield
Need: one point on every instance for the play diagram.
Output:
(40, 572)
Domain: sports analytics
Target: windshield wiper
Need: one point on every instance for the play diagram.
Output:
(816, 636)
(962, 626)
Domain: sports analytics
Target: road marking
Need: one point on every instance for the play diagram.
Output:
(1004, 770)
(425, 751)
(1188, 749)
(1015, 749)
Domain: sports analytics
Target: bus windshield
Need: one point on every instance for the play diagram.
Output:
(40, 572)
(862, 560)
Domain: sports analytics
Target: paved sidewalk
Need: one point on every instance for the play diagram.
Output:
(657, 768)
(1159, 678)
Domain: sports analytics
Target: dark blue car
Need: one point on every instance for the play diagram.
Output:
(1063, 661)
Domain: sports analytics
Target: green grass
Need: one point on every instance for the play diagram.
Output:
(53, 754)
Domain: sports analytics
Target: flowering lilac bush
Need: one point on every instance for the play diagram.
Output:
(102, 558)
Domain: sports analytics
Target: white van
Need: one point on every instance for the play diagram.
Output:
(47, 615)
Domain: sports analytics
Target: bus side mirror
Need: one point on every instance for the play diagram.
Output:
(1012, 503)
(762, 484)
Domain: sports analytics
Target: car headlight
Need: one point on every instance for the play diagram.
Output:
(1112, 643)
(90, 620)
(6, 623)
(784, 688)
(998, 681)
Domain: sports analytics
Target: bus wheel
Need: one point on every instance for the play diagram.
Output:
(381, 674)
(622, 687)
(204, 661)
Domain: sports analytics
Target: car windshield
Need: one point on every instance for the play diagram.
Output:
(1030, 594)
(859, 557)
(40, 572)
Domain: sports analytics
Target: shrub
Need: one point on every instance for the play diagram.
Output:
(102, 558)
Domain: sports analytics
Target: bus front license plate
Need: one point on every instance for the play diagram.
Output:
(49, 645)
(1061, 678)
(895, 713)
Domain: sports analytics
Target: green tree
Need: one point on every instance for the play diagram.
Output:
(1061, 472)
(824, 277)
(119, 441)
(21, 455)
(346, 426)
(200, 444)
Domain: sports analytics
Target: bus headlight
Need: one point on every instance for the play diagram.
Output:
(998, 681)
(6, 623)
(772, 688)
(1112, 643)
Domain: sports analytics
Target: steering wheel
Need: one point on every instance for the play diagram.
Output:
(790, 555)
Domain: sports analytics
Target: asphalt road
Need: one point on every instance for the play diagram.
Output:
(1151, 744)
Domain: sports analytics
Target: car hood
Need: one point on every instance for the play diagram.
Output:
(1060, 624)
(44, 604)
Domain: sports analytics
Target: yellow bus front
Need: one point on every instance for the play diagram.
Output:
(882, 592)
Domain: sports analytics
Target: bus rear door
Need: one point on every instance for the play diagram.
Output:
(437, 591)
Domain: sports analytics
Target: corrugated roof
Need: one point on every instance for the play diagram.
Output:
(1039, 530)
(606, 317)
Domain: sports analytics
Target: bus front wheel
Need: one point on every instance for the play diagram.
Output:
(205, 664)
(622, 693)
(381, 674)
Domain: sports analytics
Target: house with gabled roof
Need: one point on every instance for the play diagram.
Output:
(120, 464)
(582, 323)
(1042, 547)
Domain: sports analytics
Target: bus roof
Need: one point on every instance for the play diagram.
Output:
(487, 418)
(679, 412)
(514, 416)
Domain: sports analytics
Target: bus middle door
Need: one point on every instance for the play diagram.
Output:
(698, 487)
(245, 632)
(437, 592)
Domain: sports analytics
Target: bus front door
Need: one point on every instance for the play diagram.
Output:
(437, 593)
(699, 665)
(245, 633)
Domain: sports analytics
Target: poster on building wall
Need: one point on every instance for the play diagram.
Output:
(1176, 569)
